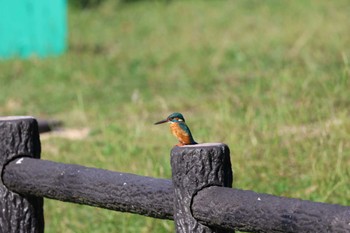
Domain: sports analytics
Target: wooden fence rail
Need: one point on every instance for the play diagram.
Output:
(91, 186)
(198, 198)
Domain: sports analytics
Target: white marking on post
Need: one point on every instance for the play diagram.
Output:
(19, 161)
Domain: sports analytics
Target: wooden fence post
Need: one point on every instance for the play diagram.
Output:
(19, 137)
(194, 168)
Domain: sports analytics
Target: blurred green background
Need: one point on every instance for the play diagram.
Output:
(269, 78)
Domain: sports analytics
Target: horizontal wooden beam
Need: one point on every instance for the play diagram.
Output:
(91, 186)
(249, 211)
(213, 206)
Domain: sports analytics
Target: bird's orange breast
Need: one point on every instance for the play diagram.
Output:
(183, 137)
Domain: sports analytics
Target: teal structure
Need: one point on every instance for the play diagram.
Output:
(32, 27)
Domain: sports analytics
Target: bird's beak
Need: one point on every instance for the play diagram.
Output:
(161, 122)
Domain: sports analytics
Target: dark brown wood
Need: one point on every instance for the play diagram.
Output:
(91, 186)
(194, 168)
(217, 207)
(249, 211)
(200, 198)
(19, 137)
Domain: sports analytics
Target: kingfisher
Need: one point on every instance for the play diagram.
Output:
(179, 128)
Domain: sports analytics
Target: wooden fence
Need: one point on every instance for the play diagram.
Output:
(199, 198)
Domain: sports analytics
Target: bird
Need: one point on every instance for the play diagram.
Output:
(179, 129)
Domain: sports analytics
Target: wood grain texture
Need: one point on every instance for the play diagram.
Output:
(195, 168)
(91, 186)
(249, 211)
(19, 136)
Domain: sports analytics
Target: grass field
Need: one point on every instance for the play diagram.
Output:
(269, 78)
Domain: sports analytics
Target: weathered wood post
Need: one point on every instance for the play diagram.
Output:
(194, 168)
(19, 137)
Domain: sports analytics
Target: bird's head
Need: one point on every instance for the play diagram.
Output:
(175, 117)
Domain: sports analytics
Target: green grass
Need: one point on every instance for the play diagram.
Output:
(271, 79)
